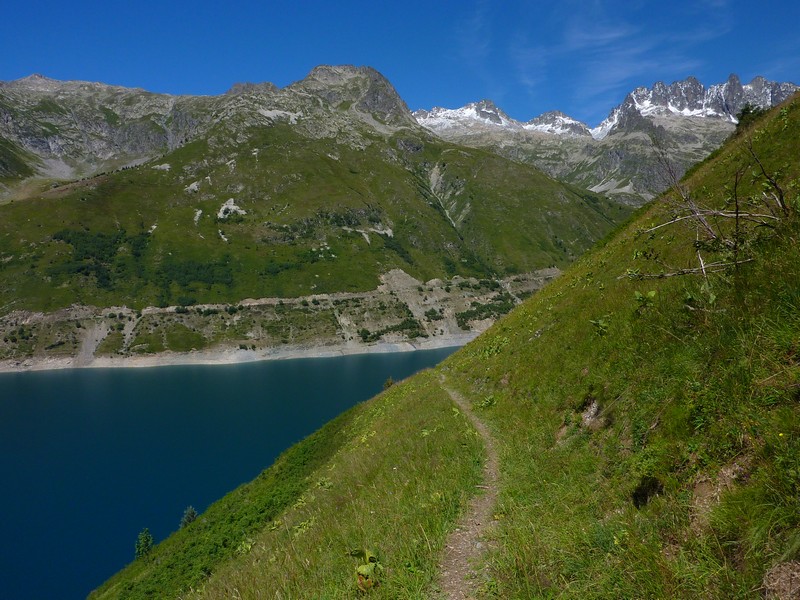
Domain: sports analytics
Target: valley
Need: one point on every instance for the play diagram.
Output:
(642, 406)
(626, 422)
(168, 212)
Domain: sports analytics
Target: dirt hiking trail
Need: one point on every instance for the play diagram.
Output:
(458, 579)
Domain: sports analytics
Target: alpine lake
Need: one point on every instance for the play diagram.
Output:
(90, 457)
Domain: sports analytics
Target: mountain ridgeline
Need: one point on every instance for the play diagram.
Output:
(643, 406)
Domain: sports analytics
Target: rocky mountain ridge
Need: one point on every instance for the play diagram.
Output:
(321, 187)
(687, 98)
(72, 129)
(617, 157)
(67, 129)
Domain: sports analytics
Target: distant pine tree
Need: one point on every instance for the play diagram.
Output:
(747, 115)
(189, 515)
(144, 543)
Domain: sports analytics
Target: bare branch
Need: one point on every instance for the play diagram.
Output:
(778, 193)
(754, 217)
(700, 260)
(707, 268)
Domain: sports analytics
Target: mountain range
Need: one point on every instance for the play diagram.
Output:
(617, 157)
(72, 129)
(686, 98)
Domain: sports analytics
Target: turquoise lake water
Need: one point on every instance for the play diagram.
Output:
(89, 457)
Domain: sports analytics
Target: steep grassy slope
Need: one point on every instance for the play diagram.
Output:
(650, 428)
(648, 423)
(389, 476)
(14, 162)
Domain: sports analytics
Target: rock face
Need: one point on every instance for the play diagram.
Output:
(556, 122)
(688, 98)
(360, 88)
(617, 156)
(75, 128)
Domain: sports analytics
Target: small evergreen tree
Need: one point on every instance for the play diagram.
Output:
(189, 515)
(144, 543)
(747, 115)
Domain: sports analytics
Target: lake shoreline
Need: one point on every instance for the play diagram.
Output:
(229, 356)
(127, 448)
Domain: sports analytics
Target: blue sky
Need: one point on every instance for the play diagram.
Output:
(529, 57)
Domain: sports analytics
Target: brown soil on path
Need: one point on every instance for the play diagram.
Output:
(466, 544)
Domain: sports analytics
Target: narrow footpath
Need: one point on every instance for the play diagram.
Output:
(465, 546)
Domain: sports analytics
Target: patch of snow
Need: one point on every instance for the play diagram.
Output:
(222, 235)
(197, 214)
(560, 125)
(475, 113)
(163, 167)
(193, 187)
(602, 130)
(379, 229)
(612, 186)
(152, 228)
(230, 208)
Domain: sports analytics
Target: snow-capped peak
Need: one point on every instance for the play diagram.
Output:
(486, 116)
(689, 98)
(557, 123)
(605, 127)
(686, 98)
(476, 113)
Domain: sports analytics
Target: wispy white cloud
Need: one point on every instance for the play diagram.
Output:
(582, 36)
(475, 45)
(610, 48)
(474, 35)
(529, 63)
(590, 53)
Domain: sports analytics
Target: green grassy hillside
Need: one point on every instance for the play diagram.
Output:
(646, 415)
(14, 162)
(650, 427)
(390, 476)
(318, 218)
